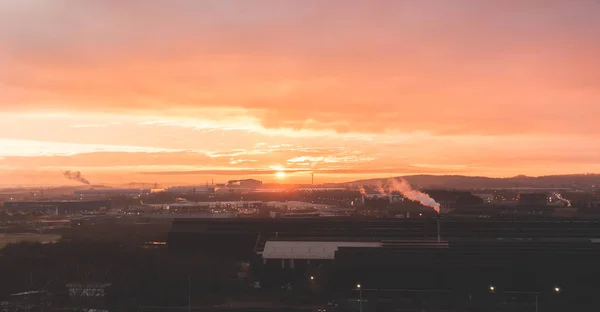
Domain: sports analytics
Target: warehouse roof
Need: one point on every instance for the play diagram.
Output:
(309, 249)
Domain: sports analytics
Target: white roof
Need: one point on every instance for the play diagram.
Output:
(308, 250)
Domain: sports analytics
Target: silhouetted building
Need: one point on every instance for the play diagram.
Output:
(468, 200)
(246, 184)
(467, 269)
(378, 203)
(532, 199)
(338, 253)
(409, 209)
(450, 200)
(191, 189)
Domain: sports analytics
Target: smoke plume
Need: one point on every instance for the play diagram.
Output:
(361, 189)
(380, 188)
(76, 176)
(400, 185)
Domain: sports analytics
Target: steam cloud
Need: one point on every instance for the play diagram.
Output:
(400, 185)
(404, 188)
(361, 189)
(380, 188)
(76, 176)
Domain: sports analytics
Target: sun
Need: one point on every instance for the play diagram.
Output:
(280, 174)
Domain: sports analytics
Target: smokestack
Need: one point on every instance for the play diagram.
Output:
(312, 181)
(407, 191)
(438, 228)
(76, 176)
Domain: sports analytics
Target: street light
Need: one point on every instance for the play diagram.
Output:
(359, 297)
(557, 289)
(312, 278)
(492, 288)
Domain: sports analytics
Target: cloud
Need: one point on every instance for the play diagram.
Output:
(344, 88)
(128, 158)
(390, 66)
(329, 159)
(15, 147)
(111, 160)
(340, 171)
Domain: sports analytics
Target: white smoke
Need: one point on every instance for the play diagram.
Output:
(361, 189)
(380, 188)
(400, 185)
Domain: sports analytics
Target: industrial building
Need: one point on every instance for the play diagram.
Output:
(450, 200)
(191, 189)
(250, 184)
(389, 198)
(379, 203)
(58, 207)
(112, 192)
(391, 204)
(244, 238)
(532, 199)
(465, 260)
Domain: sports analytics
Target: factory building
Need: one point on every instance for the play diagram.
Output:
(378, 203)
(250, 184)
(58, 207)
(304, 252)
(474, 268)
(192, 189)
(450, 200)
(112, 192)
(244, 237)
(532, 199)
(339, 253)
(389, 198)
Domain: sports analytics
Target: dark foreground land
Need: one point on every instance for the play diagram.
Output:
(216, 265)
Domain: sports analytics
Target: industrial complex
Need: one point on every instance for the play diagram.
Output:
(461, 258)
(61, 207)
(369, 248)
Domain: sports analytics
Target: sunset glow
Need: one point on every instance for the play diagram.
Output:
(280, 174)
(178, 92)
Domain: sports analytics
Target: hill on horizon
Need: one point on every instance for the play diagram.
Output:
(574, 181)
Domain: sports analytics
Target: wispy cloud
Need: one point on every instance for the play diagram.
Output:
(330, 159)
(13, 147)
(95, 125)
(480, 77)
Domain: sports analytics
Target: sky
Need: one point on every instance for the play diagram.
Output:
(186, 91)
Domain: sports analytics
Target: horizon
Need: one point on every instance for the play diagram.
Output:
(75, 184)
(184, 92)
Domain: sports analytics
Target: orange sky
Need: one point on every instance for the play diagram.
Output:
(179, 92)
